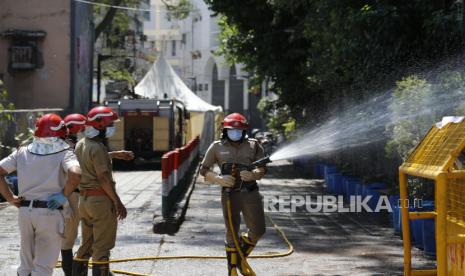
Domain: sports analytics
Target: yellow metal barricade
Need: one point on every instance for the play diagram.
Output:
(435, 158)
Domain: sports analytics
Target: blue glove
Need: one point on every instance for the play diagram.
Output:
(55, 201)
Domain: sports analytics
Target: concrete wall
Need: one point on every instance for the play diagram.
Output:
(48, 86)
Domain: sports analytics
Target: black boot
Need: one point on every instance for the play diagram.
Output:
(80, 267)
(67, 262)
(101, 270)
(231, 255)
(246, 245)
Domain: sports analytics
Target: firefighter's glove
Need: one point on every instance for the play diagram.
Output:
(55, 201)
(223, 180)
(251, 175)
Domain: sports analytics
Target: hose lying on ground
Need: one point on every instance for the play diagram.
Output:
(156, 258)
(289, 251)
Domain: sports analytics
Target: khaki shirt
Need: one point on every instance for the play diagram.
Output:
(223, 151)
(94, 159)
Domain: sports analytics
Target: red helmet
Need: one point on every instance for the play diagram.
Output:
(101, 116)
(236, 121)
(50, 125)
(75, 123)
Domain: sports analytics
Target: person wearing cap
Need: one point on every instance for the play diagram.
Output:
(234, 154)
(76, 124)
(48, 173)
(99, 204)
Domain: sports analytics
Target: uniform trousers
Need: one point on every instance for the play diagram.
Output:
(250, 204)
(98, 227)
(71, 222)
(41, 233)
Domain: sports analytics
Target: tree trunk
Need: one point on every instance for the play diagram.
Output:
(107, 19)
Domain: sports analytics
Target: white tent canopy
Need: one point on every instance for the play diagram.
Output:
(162, 81)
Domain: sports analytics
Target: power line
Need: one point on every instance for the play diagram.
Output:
(129, 8)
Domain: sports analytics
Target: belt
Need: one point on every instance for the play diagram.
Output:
(36, 204)
(93, 192)
(246, 187)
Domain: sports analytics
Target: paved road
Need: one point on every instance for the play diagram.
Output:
(325, 244)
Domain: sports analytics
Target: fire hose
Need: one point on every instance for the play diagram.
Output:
(289, 251)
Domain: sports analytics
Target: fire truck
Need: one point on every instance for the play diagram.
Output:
(148, 127)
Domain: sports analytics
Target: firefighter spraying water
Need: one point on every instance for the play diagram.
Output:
(235, 154)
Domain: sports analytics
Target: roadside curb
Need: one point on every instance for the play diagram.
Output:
(172, 224)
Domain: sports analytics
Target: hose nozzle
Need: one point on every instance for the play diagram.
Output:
(261, 162)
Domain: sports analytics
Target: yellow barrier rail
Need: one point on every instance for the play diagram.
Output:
(436, 158)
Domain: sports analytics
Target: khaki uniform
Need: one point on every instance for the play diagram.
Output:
(98, 215)
(246, 200)
(71, 222)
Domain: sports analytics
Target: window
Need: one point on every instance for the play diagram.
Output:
(200, 87)
(173, 48)
(205, 86)
(184, 37)
(22, 57)
(146, 15)
(24, 52)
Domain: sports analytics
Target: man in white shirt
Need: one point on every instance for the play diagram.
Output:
(48, 172)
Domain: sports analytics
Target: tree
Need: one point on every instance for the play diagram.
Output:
(5, 117)
(179, 8)
(7, 144)
(107, 18)
(321, 54)
(115, 25)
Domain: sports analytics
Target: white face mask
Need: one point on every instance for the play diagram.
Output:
(234, 134)
(110, 131)
(91, 132)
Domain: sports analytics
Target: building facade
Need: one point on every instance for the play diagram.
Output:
(189, 45)
(46, 50)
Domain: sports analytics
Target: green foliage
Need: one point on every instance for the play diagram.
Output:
(418, 102)
(320, 54)
(115, 32)
(120, 23)
(116, 71)
(179, 9)
(278, 119)
(409, 99)
(25, 137)
(289, 128)
(5, 117)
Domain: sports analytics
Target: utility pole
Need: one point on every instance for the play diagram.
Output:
(99, 76)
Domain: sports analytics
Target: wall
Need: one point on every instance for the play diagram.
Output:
(161, 32)
(196, 59)
(48, 86)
